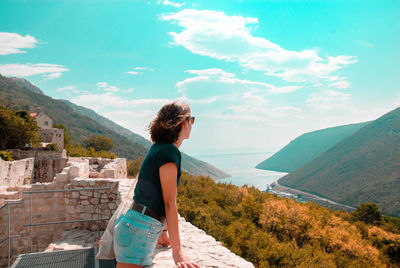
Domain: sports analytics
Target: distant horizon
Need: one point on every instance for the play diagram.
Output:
(257, 74)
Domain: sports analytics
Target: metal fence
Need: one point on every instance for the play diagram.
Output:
(31, 224)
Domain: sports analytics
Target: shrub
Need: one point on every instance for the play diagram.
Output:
(99, 143)
(6, 156)
(133, 166)
(273, 231)
(51, 147)
(368, 213)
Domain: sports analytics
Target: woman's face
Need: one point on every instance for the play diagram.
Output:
(186, 128)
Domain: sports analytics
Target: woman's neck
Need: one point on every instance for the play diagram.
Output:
(178, 142)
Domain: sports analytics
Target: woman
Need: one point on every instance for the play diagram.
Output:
(137, 232)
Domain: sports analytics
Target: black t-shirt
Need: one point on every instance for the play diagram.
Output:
(148, 190)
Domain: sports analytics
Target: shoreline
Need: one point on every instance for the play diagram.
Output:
(302, 196)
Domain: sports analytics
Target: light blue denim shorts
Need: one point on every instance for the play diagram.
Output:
(135, 237)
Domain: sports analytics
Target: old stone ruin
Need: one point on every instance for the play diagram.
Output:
(71, 210)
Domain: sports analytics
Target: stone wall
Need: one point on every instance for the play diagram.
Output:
(54, 207)
(115, 169)
(104, 167)
(53, 135)
(91, 205)
(46, 169)
(15, 173)
(37, 154)
(46, 207)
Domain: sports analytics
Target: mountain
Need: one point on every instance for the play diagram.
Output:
(363, 167)
(196, 167)
(109, 124)
(20, 94)
(306, 147)
(26, 85)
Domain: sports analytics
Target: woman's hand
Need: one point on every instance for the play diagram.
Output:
(181, 261)
(163, 240)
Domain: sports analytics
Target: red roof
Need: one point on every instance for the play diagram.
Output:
(34, 115)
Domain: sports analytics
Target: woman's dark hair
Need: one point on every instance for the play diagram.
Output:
(168, 123)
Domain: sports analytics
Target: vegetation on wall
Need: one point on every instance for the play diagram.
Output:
(17, 128)
(271, 231)
(75, 149)
(6, 156)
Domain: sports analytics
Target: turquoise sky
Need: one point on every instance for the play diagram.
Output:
(256, 73)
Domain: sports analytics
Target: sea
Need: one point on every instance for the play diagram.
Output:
(241, 166)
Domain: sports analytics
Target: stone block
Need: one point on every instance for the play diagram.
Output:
(107, 173)
(94, 201)
(112, 205)
(94, 174)
(85, 202)
(85, 216)
(107, 213)
(70, 209)
(83, 183)
(80, 208)
(89, 209)
(75, 195)
(87, 193)
(9, 195)
(73, 172)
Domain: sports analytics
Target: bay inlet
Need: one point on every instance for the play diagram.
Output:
(241, 166)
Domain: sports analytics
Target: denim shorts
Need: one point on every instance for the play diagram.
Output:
(135, 237)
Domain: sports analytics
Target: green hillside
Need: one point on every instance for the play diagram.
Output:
(306, 147)
(193, 165)
(364, 167)
(19, 94)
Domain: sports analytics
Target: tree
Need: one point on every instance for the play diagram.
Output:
(368, 213)
(99, 143)
(17, 129)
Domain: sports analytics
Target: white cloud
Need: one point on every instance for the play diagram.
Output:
(129, 90)
(171, 3)
(329, 100)
(108, 99)
(225, 97)
(48, 71)
(139, 70)
(134, 114)
(341, 83)
(283, 90)
(66, 88)
(366, 44)
(143, 68)
(214, 34)
(12, 43)
(101, 84)
(317, 85)
(232, 83)
(51, 76)
(106, 87)
(134, 73)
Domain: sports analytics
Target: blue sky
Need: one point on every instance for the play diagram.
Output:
(257, 74)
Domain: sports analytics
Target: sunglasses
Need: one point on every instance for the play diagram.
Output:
(190, 119)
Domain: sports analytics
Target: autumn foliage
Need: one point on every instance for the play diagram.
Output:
(270, 231)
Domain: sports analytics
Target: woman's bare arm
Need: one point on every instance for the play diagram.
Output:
(168, 178)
